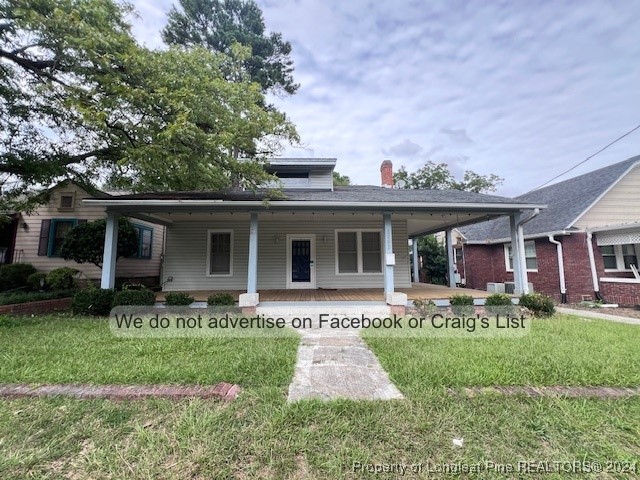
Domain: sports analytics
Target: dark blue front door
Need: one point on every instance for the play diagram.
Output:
(301, 261)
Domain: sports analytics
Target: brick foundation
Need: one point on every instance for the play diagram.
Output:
(42, 306)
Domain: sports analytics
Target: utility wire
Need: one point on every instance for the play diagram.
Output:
(588, 158)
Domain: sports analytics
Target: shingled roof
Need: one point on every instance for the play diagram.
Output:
(351, 193)
(565, 201)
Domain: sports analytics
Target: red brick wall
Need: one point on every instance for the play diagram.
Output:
(42, 306)
(485, 263)
(626, 294)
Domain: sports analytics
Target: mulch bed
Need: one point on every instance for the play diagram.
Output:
(223, 391)
(555, 391)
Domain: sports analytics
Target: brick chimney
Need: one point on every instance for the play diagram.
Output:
(386, 174)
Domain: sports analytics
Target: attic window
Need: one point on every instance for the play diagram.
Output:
(66, 201)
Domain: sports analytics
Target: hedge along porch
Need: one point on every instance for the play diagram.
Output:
(348, 237)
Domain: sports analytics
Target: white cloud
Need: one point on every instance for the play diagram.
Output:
(512, 88)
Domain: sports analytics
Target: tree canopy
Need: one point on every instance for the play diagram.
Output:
(219, 24)
(81, 100)
(437, 176)
(340, 180)
(84, 243)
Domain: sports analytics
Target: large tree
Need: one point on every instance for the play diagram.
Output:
(219, 24)
(438, 176)
(80, 99)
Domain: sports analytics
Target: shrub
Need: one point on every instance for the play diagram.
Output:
(539, 305)
(179, 298)
(93, 301)
(499, 303)
(38, 281)
(425, 308)
(15, 275)
(134, 297)
(461, 304)
(62, 278)
(221, 299)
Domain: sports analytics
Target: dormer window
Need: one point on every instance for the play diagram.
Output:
(294, 179)
(66, 201)
(293, 175)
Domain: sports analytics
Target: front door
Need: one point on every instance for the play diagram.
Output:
(301, 253)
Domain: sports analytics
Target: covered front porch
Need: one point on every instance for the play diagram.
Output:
(307, 250)
(417, 291)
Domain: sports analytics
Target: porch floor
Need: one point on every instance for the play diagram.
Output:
(416, 291)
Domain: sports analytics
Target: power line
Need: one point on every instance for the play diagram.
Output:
(589, 157)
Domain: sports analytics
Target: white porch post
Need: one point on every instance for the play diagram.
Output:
(389, 261)
(451, 259)
(416, 263)
(252, 274)
(110, 254)
(514, 220)
(252, 298)
(524, 278)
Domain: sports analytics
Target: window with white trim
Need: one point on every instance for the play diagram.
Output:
(358, 251)
(620, 257)
(529, 254)
(145, 241)
(220, 253)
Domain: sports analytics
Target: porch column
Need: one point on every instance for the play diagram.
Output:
(251, 298)
(524, 278)
(252, 274)
(389, 258)
(514, 219)
(110, 254)
(451, 259)
(416, 263)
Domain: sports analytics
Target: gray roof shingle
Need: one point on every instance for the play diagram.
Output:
(351, 193)
(565, 202)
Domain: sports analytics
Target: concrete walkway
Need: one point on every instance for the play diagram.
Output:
(338, 364)
(599, 315)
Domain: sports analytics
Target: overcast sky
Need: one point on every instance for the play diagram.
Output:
(500, 87)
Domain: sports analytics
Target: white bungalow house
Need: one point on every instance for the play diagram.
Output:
(316, 236)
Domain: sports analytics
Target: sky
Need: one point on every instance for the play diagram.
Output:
(517, 88)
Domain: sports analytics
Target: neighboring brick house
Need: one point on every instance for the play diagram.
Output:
(600, 209)
(35, 237)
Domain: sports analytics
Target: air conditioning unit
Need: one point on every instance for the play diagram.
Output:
(510, 287)
(495, 288)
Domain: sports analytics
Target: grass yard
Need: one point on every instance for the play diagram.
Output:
(260, 436)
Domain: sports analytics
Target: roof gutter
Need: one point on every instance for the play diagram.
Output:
(276, 204)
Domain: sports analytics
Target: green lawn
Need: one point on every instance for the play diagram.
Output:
(260, 436)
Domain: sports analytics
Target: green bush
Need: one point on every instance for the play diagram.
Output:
(15, 275)
(461, 304)
(221, 299)
(538, 304)
(179, 298)
(425, 308)
(62, 278)
(93, 301)
(134, 297)
(499, 303)
(38, 281)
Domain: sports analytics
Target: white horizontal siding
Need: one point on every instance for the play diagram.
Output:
(619, 205)
(321, 179)
(186, 253)
(27, 240)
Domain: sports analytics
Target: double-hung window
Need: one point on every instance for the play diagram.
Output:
(145, 241)
(358, 251)
(620, 257)
(57, 233)
(529, 253)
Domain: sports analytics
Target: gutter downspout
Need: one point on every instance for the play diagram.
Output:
(523, 263)
(563, 285)
(592, 264)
